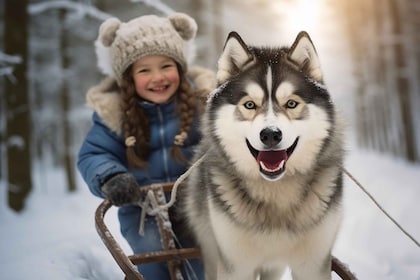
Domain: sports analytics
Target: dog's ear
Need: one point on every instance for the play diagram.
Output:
(303, 54)
(234, 58)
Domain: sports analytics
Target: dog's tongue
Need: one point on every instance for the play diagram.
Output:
(272, 159)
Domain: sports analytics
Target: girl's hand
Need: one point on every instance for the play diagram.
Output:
(122, 189)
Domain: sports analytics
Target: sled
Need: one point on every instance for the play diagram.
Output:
(128, 263)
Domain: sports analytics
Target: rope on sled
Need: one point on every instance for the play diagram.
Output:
(175, 188)
(380, 207)
(151, 206)
(152, 209)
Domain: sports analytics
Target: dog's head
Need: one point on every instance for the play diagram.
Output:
(271, 112)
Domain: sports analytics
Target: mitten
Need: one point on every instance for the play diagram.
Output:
(122, 189)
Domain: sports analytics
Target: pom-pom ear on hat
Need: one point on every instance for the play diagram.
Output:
(103, 58)
(108, 31)
(184, 25)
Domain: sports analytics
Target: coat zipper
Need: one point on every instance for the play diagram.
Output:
(162, 140)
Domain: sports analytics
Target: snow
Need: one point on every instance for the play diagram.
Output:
(369, 242)
(55, 236)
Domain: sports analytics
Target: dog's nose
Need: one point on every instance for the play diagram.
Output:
(270, 136)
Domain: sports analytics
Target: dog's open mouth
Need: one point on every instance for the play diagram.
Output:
(273, 162)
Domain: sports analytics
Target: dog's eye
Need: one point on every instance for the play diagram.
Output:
(290, 104)
(250, 105)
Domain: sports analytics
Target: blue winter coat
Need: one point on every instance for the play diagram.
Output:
(103, 151)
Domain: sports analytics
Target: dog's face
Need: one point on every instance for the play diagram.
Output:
(271, 112)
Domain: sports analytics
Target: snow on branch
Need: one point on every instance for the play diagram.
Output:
(7, 70)
(157, 4)
(6, 65)
(80, 9)
(9, 59)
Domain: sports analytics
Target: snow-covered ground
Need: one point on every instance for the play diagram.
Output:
(55, 237)
(369, 242)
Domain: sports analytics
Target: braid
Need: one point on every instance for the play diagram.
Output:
(187, 106)
(135, 124)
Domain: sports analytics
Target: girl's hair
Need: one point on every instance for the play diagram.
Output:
(136, 124)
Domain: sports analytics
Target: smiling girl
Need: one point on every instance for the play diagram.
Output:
(145, 121)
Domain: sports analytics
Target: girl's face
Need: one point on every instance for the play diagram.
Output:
(156, 78)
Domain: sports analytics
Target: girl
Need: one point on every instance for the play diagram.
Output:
(144, 120)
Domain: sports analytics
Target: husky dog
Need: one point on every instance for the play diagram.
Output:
(267, 194)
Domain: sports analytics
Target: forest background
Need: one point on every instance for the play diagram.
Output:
(48, 63)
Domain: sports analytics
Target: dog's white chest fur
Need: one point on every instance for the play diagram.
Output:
(253, 247)
(253, 251)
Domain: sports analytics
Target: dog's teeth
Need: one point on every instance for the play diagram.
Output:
(280, 166)
(263, 166)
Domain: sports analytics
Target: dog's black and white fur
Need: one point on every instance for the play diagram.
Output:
(268, 193)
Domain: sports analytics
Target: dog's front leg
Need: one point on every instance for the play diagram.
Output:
(232, 272)
(313, 270)
(273, 273)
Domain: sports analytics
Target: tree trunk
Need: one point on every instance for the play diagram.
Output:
(403, 83)
(387, 86)
(66, 154)
(18, 132)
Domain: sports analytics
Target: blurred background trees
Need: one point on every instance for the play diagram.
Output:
(49, 46)
(17, 129)
(384, 40)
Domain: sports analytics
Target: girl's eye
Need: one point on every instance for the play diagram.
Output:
(250, 105)
(291, 104)
(168, 66)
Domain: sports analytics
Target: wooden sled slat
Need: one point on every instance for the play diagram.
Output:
(128, 263)
(116, 251)
(163, 256)
(342, 270)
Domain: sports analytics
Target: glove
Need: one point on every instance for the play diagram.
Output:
(122, 189)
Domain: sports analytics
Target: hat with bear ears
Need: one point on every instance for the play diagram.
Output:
(124, 43)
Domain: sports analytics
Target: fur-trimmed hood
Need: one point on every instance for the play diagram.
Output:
(105, 100)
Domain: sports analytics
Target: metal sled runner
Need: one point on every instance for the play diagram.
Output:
(128, 263)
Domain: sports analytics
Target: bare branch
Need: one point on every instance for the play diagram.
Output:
(9, 59)
(6, 65)
(157, 4)
(82, 9)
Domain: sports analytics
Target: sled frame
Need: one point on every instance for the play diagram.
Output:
(128, 263)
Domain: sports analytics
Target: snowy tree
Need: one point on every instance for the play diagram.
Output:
(17, 107)
(388, 96)
(68, 24)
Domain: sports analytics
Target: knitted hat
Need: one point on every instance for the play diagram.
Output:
(146, 35)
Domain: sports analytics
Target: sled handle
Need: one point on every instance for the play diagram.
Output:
(127, 263)
(122, 260)
(342, 270)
